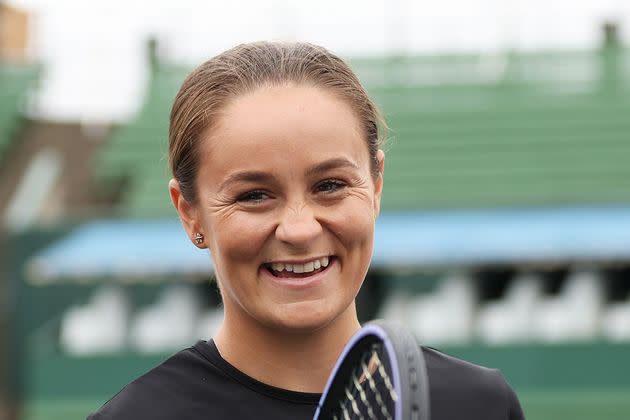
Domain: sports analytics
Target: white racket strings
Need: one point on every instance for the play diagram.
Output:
(369, 393)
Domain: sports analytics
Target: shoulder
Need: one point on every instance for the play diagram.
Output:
(458, 387)
(155, 394)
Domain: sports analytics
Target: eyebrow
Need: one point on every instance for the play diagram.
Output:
(330, 164)
(247, 176)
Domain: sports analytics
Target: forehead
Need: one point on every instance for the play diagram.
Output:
(284, 120)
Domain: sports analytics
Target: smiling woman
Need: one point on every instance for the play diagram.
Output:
(286, 180)
(277, 170)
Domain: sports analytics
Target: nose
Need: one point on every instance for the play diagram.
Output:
(298, 226)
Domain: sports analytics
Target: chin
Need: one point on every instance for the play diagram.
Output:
(304, 317)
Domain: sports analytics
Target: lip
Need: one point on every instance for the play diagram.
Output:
(302, 261)
(298, 283)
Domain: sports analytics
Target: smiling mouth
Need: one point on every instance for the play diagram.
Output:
(288, 270)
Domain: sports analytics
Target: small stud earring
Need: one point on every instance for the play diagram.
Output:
(199, 238)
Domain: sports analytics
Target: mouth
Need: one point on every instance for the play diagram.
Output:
(300, 269)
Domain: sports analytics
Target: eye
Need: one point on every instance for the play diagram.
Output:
(330, 186)
(253, 197)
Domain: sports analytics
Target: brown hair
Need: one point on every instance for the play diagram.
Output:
(245, 68)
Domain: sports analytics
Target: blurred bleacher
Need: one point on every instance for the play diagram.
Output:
(136, 154)
(518, 130)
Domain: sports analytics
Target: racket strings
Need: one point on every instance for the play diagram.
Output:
(369, 394)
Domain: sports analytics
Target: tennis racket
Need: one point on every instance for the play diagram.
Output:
(380, 375)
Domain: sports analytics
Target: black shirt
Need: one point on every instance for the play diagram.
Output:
(197, 383)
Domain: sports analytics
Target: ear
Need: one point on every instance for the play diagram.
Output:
(187, 213)
(378, 183)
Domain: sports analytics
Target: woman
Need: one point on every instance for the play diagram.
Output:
(277, 170)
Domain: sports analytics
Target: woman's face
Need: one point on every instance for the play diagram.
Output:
(287, 204)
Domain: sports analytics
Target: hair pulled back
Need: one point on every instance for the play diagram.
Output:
(244, 69)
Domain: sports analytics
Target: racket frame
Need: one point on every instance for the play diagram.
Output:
(408, 368)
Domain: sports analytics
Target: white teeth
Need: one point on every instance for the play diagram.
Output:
(301, 268)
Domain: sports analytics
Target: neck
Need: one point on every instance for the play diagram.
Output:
(297, 361)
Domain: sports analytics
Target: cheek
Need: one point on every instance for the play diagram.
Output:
(354, 224)
(240, 238)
